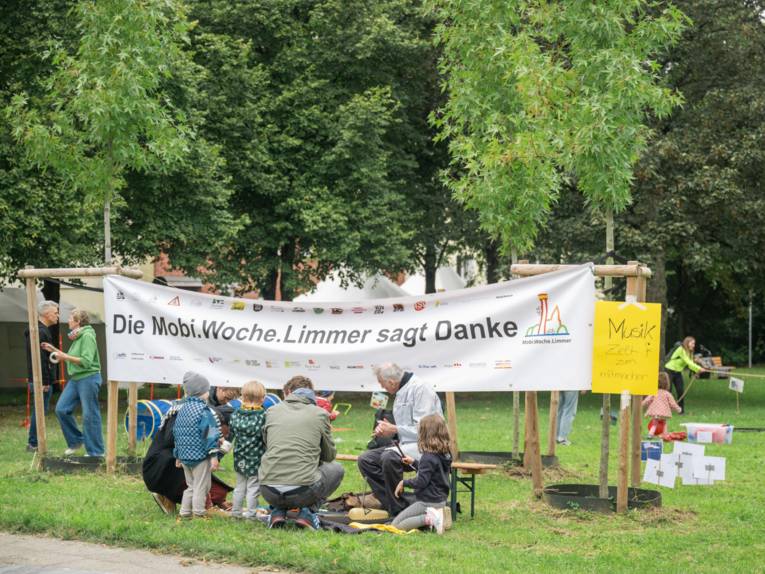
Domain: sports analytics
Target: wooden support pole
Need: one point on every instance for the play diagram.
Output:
(451, 421)
(624, 442)
(516, 423)
(637, 415)
(552, 434)
(632, 269)
(605, 443)
(533, 443)
(526, 433)
(111, 426)
(80, 272)
(132, 417)
(636, 286)
(34, 343)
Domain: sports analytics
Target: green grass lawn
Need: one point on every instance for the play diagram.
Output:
(717, 528)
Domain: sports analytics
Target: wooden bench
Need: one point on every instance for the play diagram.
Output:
(716, 365)
(463, 473)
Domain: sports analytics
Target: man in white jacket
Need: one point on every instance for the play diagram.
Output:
(382, 467)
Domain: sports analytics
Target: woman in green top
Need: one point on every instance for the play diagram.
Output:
(681, 359)
(83, 367)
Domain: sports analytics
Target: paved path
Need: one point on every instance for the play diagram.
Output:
(41, 555)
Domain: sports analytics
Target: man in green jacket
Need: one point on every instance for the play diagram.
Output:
(297, 470)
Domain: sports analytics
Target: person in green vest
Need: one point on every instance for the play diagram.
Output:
(83, 369)
(680, 360)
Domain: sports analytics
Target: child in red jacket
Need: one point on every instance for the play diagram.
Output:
(660, 407)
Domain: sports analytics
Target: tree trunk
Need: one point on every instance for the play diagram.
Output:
(108, 229)
(430, 269)
(605, 429)
(491, 253)
(657, 293)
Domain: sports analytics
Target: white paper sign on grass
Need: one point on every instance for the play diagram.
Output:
(709, 468)
(662, 472)
(736, 385)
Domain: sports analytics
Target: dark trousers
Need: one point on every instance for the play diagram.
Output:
(676, 378)
(312, 495)
(383, 470)
(32, 441)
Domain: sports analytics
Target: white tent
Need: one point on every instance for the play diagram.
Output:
(377, 287)
(13, 305)
(447, 279)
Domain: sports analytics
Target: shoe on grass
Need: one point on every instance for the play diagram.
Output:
(564, 441)
(219, 512)
(72, 451)
(434, 517)
(183, 518)
(31, 448)
(165, 504)
(278, 518)
(308, 519)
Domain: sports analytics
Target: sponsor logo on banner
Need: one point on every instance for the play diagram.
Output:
(120, 355)
(137, 356)
(358, 310)
(257, 307)
(355, 367)
(157, 357)
(277, 309)
(452, 365)
(335, 367)
(312, 364)
(419, 306)
(337, 311)
(503, 364)
(175, 358)
(252, 363)
(504, 296)
(217, 303)
(550, 323)
(397, 307)
(237, 306)
(269, 365)
(318, 310)
(214, 360)
(440, 303)
(175, 301)
(379, 309)
(120, 296)
(477, 365)
(298, 310)
(427, 366)
(291, 364)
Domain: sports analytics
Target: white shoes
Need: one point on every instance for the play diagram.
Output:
(435, 519)
(72, 451)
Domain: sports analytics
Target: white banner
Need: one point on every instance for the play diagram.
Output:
(527, 334)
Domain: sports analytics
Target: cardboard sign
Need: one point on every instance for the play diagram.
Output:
(626, 347)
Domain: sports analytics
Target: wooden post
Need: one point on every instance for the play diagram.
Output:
(526, 432)
(534, 456)
(111, 427)
(516, 422)
(624, 440)
(605, 439)
(132, 417)
(636, 286)
(34, 343)
(451, 421)
(552, 434)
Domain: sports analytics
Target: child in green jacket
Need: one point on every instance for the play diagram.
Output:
(246, 432)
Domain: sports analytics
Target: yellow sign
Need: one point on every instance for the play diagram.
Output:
(626, 347)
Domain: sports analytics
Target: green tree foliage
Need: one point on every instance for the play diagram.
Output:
(697, 216)
(321, 111)
(30, 231)
(106, 105)
(542, 92)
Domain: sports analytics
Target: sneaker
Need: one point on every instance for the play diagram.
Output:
(31, 448)
(434, 517)
(308, 519)
(564, 441)
(182, 518)
(165, 504)
(219, 512)
(72, 451)
(278, 518)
